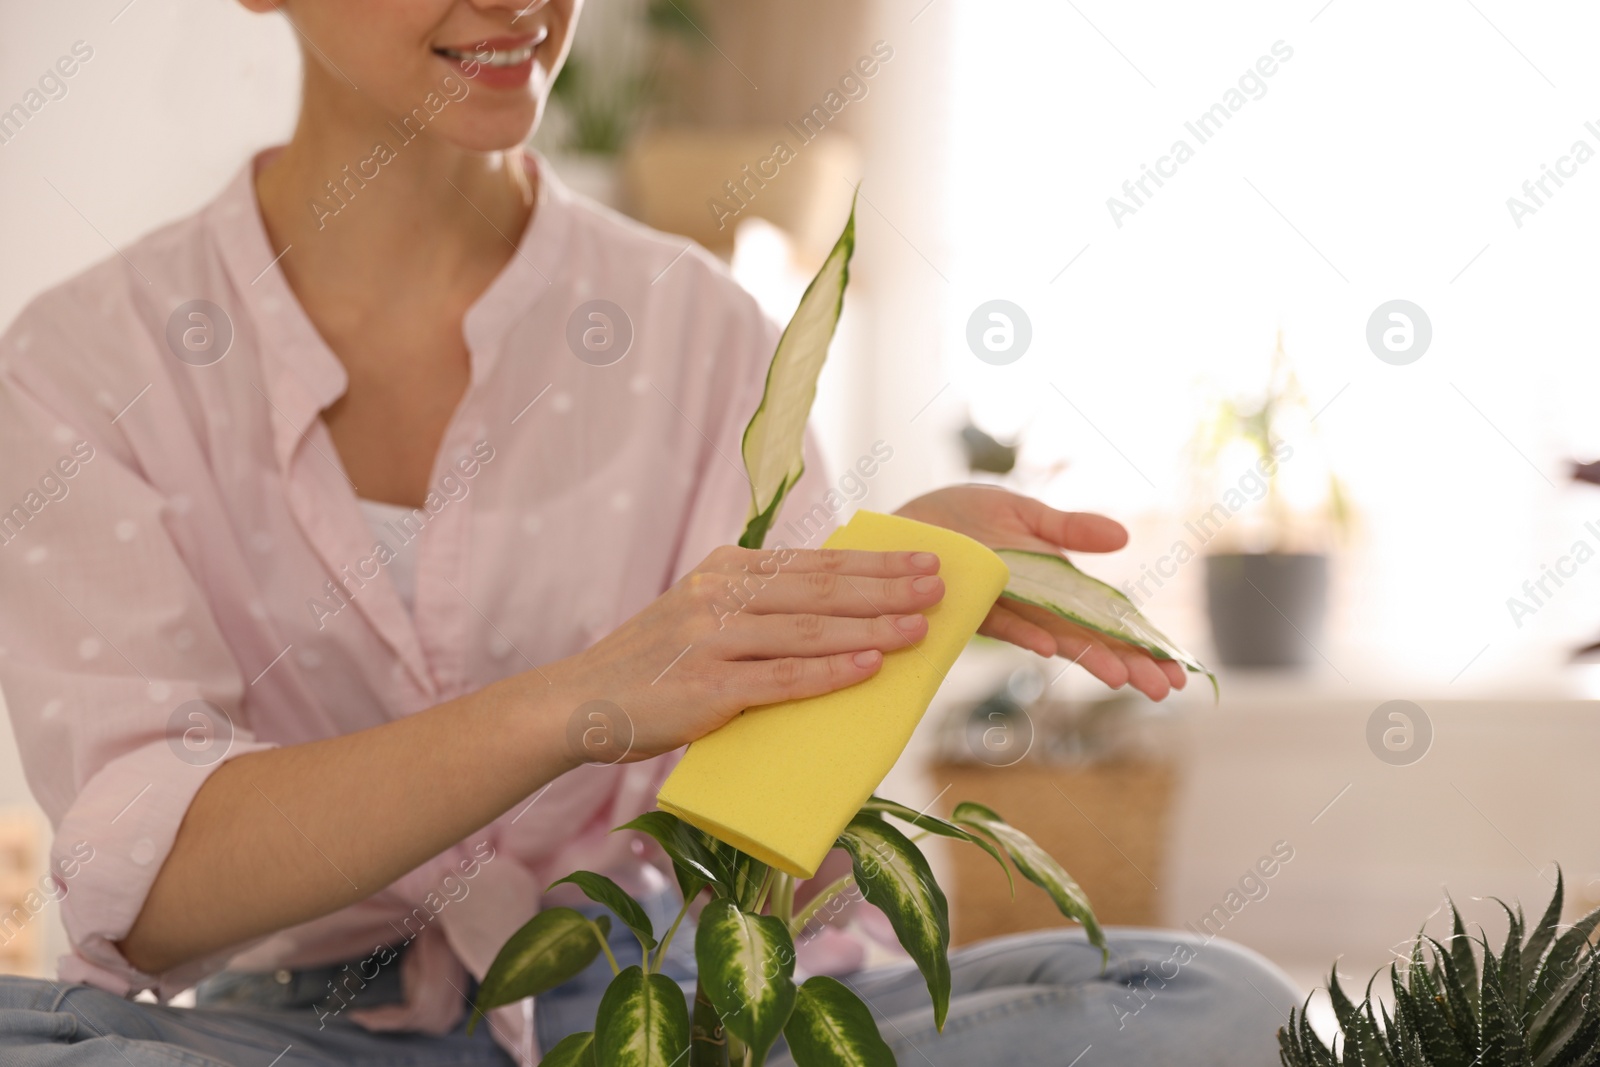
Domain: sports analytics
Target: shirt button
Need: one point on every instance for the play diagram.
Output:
(282, 977)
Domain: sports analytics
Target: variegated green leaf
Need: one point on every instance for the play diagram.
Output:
(602, 890)
(747, 969)
(574, 1050)
(643, 1021)
(773, 444)
(934, 825)
(742, 874)
(895, 876)
(1047, 580)
(1036, 865)
(551, 948)
(691, 860)
(831, 1027)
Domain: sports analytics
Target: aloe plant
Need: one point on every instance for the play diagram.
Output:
(1536, 1003)
(747, 996)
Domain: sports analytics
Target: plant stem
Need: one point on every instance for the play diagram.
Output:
(661, 953)
(766, 887)
(601, 937)
(818, 902)
(708, 1041)
(783, 898)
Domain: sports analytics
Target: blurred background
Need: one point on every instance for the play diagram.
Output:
(1261, 280)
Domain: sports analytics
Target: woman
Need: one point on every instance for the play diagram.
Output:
(327, 539)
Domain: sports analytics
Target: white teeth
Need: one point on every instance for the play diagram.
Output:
(492, 57)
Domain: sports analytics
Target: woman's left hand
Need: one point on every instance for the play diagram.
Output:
(1002, 519)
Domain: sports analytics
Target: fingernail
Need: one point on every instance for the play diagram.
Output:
(924, 561)
(869, 658)
(909, 623)
(926, 584)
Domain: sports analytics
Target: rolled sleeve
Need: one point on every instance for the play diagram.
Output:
(121, 691)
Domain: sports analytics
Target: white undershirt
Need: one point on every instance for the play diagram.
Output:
(384, 520)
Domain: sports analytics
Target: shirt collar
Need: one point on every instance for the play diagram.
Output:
(301, 374)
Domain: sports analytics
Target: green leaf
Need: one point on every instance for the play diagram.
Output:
(1037, 866)
(1363, 1042)
(895, 876)
(1511, 978)
(602, 890)
(831, 1027)
(1575, 1036)
(1540, 937)
(692, 862)
(1426, 1017)
(773, 445)
(1460, 999)
(643, 1021)
(742, 873)
(746, 967)
(708, 1039)
(1503, 1035)
(1050, 581)
(1466, 964)
(551, 948)
(934, 825)
(574, 1050)
(1562, 964)
(1299, 1044)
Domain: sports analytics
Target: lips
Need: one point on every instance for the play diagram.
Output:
(496, 62)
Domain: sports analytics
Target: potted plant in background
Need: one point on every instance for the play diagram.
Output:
(746, 996)
(600, 98)
(1269, 533)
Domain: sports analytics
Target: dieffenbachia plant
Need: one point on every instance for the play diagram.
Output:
(745, 941)
(747, 996)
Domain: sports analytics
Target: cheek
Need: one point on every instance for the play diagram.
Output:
(380, 48)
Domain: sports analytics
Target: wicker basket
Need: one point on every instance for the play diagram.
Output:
(21, 858)
(1107, 825)
(1103, 810)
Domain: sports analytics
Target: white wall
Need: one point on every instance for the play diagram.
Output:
(176, 95)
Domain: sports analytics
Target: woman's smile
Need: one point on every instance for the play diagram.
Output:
(497, 63)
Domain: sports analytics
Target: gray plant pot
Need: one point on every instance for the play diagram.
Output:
(1267, 609)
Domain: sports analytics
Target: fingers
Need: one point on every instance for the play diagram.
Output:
(1113, 662)
(794, 678)
(1094, 656)
(854, 562)
(773, 637)
(1176, 674)
(826, 593)
(1144, 675)
(1079, 531)
(1007, 625)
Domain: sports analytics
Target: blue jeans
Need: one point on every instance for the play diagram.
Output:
(1030, 1000)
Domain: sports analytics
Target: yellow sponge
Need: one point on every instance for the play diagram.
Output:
(781, 781)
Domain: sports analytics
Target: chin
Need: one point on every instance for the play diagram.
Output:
(492, 133)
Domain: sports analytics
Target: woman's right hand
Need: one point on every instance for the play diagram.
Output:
(744, 628)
